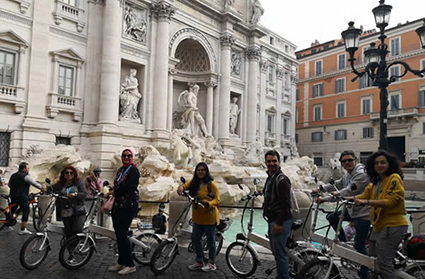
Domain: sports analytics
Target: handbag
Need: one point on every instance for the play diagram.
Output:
(80, 210)
(67, 212)
(107, 206)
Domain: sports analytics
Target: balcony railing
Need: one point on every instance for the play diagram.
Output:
(61, 103)
(12, 94)
(270, 135)
(397, 113)
(70, 13)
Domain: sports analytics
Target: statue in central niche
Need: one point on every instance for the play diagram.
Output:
(191, 119)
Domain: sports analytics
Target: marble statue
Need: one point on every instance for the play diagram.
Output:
(234, 114)
(129, 98)
(257, 12)
(191, 119)
(182, 153)
(254, 154)
(235, 67)
(133, 27)
(228, 4)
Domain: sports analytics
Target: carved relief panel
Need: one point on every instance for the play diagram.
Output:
(135, 23)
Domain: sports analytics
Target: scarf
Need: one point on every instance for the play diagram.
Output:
(132, 158)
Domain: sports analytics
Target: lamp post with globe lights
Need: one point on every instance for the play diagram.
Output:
(377, 68)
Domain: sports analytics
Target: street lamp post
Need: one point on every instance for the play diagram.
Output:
(377, 67)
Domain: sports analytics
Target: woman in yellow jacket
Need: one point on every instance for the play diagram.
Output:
(385, 194)
(205, 219)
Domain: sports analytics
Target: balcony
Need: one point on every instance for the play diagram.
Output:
(60, 103)
(70, 13)
(270, 135)
(12, 94)
(286, 98)
(397, 113)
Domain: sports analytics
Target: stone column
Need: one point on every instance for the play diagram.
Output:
(210, 106)
(253, 54)
(227, 41)
(171, 73)
(216, 108)
(111, 63)
(163, 12)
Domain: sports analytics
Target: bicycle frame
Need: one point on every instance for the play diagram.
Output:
(8, 210)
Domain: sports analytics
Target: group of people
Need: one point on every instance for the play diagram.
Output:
(378, 186)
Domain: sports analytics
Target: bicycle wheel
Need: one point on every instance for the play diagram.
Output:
(305, 256)
(317, 269)
(241, 259)
(141, 255)
(34, 251)
(417, 271)
(76, 252)
(4, 219)
(163, 256)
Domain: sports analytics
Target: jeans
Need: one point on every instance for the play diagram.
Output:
(384, 245)
(197, 232)
(362, 227)
(121, 219)
(22, 201)
(278, 245)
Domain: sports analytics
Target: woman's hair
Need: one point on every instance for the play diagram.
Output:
(393, 165)
(62, 179)
(194, 184)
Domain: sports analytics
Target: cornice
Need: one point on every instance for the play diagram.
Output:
(65, 33)
(16, 17)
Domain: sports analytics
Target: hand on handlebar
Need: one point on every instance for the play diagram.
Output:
(206, 203)
(320, 200)
(180, 190)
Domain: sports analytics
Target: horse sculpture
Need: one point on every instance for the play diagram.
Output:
(182, 153)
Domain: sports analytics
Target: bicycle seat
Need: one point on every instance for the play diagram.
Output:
(240, 236)
(296, 224)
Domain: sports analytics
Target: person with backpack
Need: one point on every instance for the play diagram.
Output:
(206, 218)
(159, 221)
(277, 211)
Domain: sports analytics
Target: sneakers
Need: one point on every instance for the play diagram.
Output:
(127, 270)
(8, 229)
(196, 266)
(209, 267)
(116, 267)
(24, 231)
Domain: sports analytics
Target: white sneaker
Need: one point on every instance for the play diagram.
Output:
(8, 229)
(209, 267)
(127, 270)
(24, 231)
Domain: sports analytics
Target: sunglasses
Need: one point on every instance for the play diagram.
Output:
(127, 156)
(347, 160)
(69, 172)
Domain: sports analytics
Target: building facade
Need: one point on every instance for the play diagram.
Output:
(335, 113)
(107, 74)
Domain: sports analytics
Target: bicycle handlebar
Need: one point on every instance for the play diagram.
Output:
(192, 199)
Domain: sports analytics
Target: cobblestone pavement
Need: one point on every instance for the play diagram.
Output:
(10, 267)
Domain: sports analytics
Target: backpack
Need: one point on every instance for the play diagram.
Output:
(209, 192)
(294, 203)
(414, 248)
(158, 223)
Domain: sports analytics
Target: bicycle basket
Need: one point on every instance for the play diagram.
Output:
(414, 248)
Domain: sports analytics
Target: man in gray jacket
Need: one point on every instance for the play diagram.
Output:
(351, 184)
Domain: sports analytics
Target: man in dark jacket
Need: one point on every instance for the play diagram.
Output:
(277, 211)
(19, 184)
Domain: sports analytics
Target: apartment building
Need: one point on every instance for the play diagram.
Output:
(335, 113)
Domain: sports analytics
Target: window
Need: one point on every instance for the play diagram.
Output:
(4, 149)
(313, 50)
(395, 71)
(297, 95)
(317, 90)
(296, 138)
(366, 105)
(395, 102)
(70, 2)
(66, 80)
(368, 132)
(296, 116)
(326, 47)
(365, 81)
(341, 61)
(339, 85)
(318, 68)
(423, 64)
(317, 112)
(270, 123)
(63, 140)
(364, 56)
(421, 98)
(340, 134)
(285, 125)
(395, 47)
(423, 127)
(286, 81)
(318, 159)
(7, 68)
(340, 109)
(364, 156)
(271, 40)
(317, 136)
(270, 74)
(286, 48)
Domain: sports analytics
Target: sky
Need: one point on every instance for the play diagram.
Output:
(303, 21)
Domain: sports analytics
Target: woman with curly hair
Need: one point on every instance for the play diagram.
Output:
(385, 194)
(71, 206)
(205, 219)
